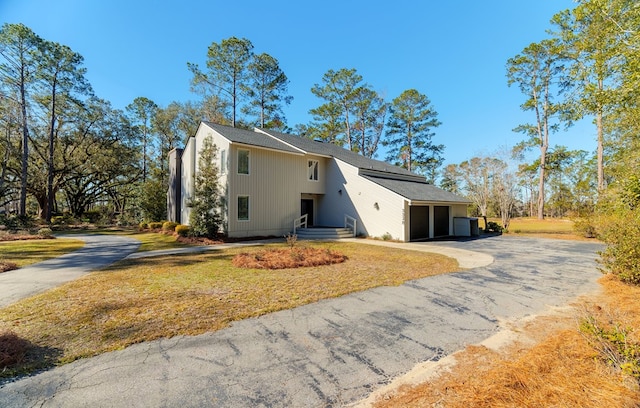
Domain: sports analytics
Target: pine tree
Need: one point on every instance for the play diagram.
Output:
(205, 217)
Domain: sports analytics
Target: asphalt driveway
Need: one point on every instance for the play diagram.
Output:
(98, 252)
(331, 353)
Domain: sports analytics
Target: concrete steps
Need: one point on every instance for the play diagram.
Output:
(324, 233)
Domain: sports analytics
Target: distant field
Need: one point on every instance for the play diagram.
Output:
(547, 228)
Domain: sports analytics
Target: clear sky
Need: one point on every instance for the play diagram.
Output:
(455, 52)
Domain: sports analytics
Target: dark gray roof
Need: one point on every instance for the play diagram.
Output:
(250, 138)
(418, 191)
(347, 156)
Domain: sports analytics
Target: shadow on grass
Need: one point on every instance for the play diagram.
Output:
(176, 260)
(20, 357)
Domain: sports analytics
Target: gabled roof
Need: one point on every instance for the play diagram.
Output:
(331, 150)
(418, 191)
(251, 138)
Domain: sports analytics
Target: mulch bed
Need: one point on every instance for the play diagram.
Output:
(12, 349)
(7, 266)
(283, 258)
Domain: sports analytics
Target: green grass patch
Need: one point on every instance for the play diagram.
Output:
(146, 299)
(25, 253)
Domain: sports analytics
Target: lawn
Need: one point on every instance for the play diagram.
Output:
(147, 299)
(561, 228)
(24, 253)
(150, 241)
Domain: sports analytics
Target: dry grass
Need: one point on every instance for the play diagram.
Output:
(561, 369)
(23, 253)
(148, 299)
(556, 228)
(283, 258)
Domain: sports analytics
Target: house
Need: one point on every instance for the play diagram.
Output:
(270, 180)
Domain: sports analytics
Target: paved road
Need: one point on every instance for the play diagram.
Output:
(99, 251)
(330, 353)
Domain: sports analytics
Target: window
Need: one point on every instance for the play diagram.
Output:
(312, 170)
(243, 161)
(243, 208)
(223, 162)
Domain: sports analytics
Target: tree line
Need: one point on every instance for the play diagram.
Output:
(586, 68)
(67, 151)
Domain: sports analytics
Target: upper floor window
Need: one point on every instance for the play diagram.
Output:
(312, 170)
(243, 161)
(223, 162)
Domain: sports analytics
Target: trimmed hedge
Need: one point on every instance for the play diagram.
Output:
(169, 226)
(182, 230)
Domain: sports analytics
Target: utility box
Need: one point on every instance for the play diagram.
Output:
(465, 227)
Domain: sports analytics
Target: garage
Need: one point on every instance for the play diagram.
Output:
(441, 221)
(419, 223)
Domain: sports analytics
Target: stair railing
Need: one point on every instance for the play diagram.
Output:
(300, 222)
(350, 222)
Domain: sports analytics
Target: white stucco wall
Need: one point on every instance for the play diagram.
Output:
(378, 211)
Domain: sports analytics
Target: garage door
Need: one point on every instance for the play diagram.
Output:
(419, 224)
(441, 221)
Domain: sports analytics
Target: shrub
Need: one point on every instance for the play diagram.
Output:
(143, 225)
(614, 344)
(386, 236)
(155, 225)
(45, 232)
(621, 257)
(494, 227)
(291, 240)
(585, 227)
(169, 226)
(182, 230)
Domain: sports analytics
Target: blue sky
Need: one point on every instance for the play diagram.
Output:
(455, 52)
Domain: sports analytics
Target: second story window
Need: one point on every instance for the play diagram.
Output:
(243, 161)
(312, 170)
(223, 162)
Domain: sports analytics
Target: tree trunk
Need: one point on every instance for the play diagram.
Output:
(543, 165)
(601, 182)
(50, 194)
(22, 211)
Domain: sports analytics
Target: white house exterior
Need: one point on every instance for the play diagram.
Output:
(269, 179)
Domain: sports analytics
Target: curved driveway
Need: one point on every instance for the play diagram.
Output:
(99, 251)
(330, 353)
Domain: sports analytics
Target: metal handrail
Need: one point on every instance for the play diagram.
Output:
(299, 222)
(350, 222)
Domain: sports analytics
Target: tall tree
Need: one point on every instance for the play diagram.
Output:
(539, 73)
(143, 110)
(592, 36)
(266, 90)
(478, 174)
(227, 71)
(369, 113)
(327, 126)
(63, 81)
(20, 49)
(338, 89)
(409, 133)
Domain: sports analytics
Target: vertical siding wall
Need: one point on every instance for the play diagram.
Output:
(358, 200)
(275, 184)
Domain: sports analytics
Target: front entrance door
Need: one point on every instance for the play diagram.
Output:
(306, 207)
